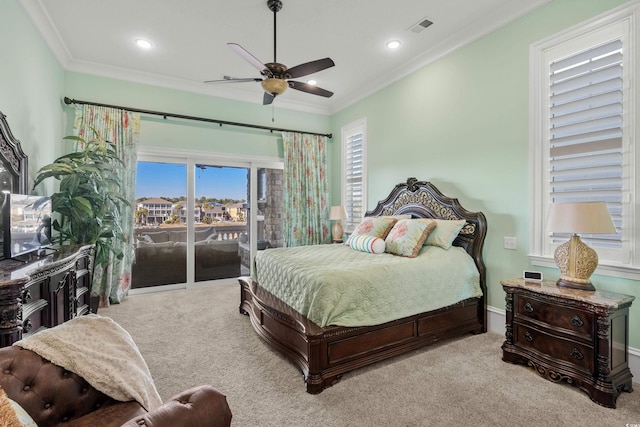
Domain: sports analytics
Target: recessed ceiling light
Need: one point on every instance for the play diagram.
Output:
(312, 82)
(393, 44)
(144, 44)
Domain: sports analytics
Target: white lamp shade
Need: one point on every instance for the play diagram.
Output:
(580, 218)
(337, 212)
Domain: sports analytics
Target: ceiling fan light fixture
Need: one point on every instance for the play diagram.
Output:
(274, 86)
(312, 82)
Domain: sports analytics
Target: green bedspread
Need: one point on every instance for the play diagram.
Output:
(336, 285)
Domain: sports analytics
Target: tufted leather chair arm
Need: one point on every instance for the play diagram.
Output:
(197, 407)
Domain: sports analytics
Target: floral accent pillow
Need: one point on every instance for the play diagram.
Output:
(364, 243)
(12, 414)
(408, 235)
(373, 226)
(445, 233)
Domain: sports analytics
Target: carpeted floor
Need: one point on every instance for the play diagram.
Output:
(197, 336)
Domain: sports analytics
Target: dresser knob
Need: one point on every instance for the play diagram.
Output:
(528, 337)
(577, 354)
(576, 321)
(528, 307)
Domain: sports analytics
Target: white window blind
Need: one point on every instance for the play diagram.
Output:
(353, 177)
(585, 135)
(354, 172)
(582, 140)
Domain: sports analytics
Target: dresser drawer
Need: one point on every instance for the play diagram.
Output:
(565, 350)
(554, 315)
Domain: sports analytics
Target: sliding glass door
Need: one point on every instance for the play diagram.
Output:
(220, 219)
(160, 235)
(203, 221)
(267, 229)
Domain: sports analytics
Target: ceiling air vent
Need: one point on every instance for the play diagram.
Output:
(420, 26)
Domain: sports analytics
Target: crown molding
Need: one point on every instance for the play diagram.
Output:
(472, 33)
(43, 23)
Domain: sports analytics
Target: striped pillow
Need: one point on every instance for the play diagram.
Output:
(364, 243)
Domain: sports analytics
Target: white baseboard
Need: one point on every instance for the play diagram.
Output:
(496, 323)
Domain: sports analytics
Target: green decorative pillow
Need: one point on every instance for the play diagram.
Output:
(445, 233)
(408, 235)
(364, 243)
(373, 226)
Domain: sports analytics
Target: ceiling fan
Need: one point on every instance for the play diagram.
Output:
(275, 76)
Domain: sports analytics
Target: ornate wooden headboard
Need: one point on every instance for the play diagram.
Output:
(421, 199)
(14, 172)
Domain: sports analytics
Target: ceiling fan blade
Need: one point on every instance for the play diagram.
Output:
(268, 98)
(228, 79)
(310, 67)
(305, 87)
(248, 57)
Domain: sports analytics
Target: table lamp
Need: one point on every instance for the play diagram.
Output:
(575, 259)
(337, 213)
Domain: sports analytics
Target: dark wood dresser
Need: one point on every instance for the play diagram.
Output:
(44, 291)
(569, 335)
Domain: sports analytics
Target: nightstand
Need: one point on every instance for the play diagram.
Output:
(569, 335)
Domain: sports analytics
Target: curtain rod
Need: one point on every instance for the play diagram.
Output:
(200, 119)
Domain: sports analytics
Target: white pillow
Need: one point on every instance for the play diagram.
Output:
(364, 243)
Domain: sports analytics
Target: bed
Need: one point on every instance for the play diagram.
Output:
(325, 353)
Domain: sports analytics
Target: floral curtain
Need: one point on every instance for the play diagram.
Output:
(305, 188)
(123, 129)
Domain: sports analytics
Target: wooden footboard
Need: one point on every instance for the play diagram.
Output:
(325, 354)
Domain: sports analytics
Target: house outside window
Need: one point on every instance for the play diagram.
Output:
(354, 172)
(582, 135)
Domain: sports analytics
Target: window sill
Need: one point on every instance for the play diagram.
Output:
(610, 270)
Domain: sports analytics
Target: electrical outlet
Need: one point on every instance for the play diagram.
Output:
(510, 243)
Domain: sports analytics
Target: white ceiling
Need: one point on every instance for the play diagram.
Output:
(190, 40)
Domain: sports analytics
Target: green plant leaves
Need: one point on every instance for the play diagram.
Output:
(88, 202)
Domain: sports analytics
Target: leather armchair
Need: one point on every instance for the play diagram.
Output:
(54, 396)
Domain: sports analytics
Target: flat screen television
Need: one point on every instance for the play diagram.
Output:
(26, 224)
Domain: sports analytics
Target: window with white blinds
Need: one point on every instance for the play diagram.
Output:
(582, 143)
(585, 135)
(354, 173)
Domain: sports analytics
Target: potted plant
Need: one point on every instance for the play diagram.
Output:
(88, 203)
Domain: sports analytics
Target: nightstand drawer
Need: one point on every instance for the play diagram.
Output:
(554, 315)
(563, 349)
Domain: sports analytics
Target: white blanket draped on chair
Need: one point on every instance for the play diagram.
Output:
(103, 353)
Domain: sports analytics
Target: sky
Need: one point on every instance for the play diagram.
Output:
(170, 180)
